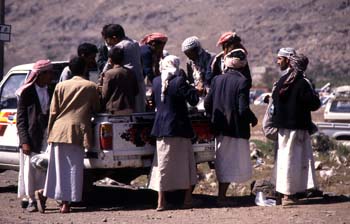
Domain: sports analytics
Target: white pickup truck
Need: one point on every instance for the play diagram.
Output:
(123, 148)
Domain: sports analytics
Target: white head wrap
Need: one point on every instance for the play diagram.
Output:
(236, 59)
(286, 52)
(189, 43)
(168, 67)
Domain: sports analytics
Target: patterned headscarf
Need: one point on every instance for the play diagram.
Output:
(286, 52)
(168, 67)
(154, 36)
(231, 36)
(236, 59)
(299, 65)
(225, 37)
(39, 67)
(190, 43)
(299, 62)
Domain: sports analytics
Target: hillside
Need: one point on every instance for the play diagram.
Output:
(318, 28)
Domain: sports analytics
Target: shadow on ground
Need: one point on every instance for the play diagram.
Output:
(109, 198)
(126, 198)
(8, 189)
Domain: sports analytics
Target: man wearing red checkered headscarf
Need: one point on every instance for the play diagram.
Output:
(152, 46)
(32, 119)
(229, 41)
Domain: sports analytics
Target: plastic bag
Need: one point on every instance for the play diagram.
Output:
(261, 200)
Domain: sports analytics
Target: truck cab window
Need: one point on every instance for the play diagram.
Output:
(8, 99)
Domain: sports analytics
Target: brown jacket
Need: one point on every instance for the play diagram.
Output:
(119, 90)
(73, 103)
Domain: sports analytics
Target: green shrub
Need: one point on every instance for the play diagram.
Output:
(267, 148)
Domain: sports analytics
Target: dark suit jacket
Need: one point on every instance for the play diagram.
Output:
(228, 105)
(293, 109)
(31, 122)
(172, 115)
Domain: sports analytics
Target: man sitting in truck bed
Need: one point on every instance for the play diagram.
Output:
(119, 86)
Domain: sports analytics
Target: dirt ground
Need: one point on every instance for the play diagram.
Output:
(130, 204)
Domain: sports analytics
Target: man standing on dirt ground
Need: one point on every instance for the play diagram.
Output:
(294, 98)
(283, 60)
(173, 166)
(228, 105)
(69, 132)
(88, 52)
(32, 120)
(115, 36)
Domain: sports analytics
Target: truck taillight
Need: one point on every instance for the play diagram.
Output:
(106, 136)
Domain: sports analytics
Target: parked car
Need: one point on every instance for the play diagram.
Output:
(338, 106)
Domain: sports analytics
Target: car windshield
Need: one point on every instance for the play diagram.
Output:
(340, 106)
(8, 98)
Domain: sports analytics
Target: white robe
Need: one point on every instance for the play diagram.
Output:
(30, 179)
(174, 166)
(295, 169)
(232, 162)
(64, 180)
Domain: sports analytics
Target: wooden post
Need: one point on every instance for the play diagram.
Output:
(2, 21)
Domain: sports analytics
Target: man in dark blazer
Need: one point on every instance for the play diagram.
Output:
(173, 165)
(32, 120)
(228, 105)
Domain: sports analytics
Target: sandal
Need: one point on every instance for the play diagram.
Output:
(65, 209)
(187, 205)
(41, 201)
(160, 209)
(289, 201)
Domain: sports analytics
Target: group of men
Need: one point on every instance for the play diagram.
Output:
(222, 81)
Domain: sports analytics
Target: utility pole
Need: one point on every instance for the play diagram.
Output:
(2, 21)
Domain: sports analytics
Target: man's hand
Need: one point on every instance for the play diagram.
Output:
(26, 149)
(200, 88)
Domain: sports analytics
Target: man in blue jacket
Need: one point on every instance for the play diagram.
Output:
(173, 165)
(228, 105)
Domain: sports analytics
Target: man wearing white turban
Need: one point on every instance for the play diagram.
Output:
(198, 64)
(283, 59)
